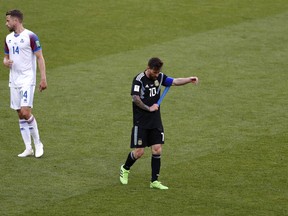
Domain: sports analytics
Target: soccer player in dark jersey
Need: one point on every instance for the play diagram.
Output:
(147, 128)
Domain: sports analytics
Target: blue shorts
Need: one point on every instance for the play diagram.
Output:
(141, 138)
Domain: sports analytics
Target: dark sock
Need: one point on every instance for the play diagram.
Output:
(130, 161)
(155, 165)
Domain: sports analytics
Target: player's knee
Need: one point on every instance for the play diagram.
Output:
(138, 153)
(157, 149)
(24, 114)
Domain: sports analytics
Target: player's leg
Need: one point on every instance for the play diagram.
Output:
(138, 145)
(26, 136)
(156, 161)
(39, 151)
(131, 159)
(26, 113)
(156, 136)
(15, 104)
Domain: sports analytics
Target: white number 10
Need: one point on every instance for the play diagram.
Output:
(152, 91)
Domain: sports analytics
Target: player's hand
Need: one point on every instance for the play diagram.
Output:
(8, 63)
(194, 80)
(154, 107)
(42, 85)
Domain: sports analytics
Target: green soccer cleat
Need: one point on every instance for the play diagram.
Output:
(123, 175)
(158, 185)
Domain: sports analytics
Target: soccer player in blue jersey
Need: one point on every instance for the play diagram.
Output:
(147, 128)
(22, 53)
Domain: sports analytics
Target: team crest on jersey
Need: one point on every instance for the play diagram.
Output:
(140, 142)
(22, 41)
(156, 83)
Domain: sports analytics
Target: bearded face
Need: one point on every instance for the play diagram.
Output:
(11, 23)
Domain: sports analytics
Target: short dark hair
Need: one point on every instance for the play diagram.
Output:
(15, 13)
(155, 63)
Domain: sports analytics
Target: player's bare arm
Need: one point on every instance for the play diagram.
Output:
(137, 100)
(183, 81)
(42, 69)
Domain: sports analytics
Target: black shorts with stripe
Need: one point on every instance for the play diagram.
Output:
(141, 138)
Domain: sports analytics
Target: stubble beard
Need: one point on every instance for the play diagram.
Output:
(11, 29)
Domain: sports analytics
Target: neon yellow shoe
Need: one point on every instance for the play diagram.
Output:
(124, 175)
(158, 185)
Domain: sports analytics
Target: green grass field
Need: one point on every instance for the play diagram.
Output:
(226, 149)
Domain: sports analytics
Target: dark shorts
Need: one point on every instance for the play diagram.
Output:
(141, 138)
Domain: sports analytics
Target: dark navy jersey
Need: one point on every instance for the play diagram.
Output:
(149, 91)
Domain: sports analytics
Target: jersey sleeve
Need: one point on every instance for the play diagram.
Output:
(167, 81)
(6, 50)
(35, 43)
(136, 87)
